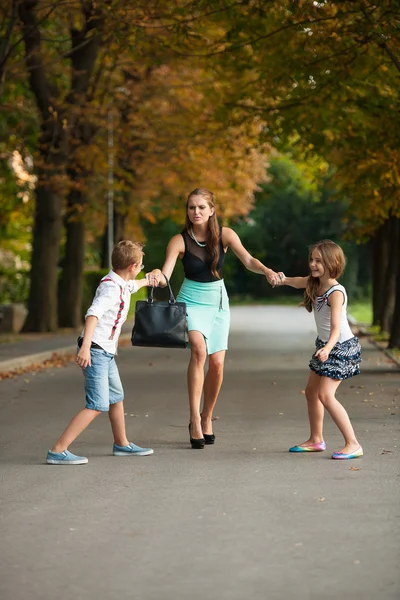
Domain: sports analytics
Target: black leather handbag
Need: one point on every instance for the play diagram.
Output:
(160, 324)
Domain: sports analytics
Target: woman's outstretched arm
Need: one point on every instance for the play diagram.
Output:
(176, 246)
(231, 239)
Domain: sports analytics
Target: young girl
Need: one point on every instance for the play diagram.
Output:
(338, 351)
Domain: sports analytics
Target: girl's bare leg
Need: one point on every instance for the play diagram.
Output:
(75, 428)
(315, 410)
(212, 386)
(117, 421)
(195, 380)
(338, 413)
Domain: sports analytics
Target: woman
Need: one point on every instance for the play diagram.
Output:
(202, 246)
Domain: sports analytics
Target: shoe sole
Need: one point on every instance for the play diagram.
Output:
(347, 457)
(144, 453)
(66, 462)
(306, 450)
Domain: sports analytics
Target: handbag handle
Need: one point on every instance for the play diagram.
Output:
(171, 300)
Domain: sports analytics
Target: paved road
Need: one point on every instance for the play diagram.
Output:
(241, 520)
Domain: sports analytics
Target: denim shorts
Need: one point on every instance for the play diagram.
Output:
(102, 381)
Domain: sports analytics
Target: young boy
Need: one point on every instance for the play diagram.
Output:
(97, 348)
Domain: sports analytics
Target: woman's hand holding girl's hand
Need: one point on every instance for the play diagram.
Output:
(281, 279)
(322, 354)
(272, 277)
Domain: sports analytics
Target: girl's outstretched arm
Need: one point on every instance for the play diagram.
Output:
(296, 282)
(231, 239)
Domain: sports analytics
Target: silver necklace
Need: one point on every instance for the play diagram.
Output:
(201, 244)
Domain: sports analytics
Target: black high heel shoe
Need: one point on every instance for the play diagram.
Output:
(197, 443)
(209, 438)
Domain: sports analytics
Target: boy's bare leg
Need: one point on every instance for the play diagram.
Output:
(75, 428)
(117, 420)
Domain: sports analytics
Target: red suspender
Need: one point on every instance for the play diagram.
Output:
(120, 309)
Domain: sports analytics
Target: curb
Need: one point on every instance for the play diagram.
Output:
(364, 332)
(24, 362)
(385, 351)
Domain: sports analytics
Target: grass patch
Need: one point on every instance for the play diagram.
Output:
(361, 311)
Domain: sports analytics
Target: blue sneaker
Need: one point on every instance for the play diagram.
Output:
(132, 450)
(65, 458)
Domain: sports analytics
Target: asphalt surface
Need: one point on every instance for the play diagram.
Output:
(243, 519)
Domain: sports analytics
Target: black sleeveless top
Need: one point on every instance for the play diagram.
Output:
(197, 260)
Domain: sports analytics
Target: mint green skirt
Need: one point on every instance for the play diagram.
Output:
(208, 311)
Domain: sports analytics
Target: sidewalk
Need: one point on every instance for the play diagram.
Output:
(20, 351)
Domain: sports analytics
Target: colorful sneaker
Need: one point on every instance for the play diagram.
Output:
(318, 447)
(132, 449)
(342, 456)
(65, 458)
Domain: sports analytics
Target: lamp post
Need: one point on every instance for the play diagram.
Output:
(110, 178)
(110, 190)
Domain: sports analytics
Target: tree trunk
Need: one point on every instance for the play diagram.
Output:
(85, 48)
(42, 303)
(71, 284)
(394, 341)
(10, 20)
(119, 225)
(380, 263)
(57, 115)
(390, 283)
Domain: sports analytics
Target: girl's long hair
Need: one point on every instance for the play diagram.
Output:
(214, 232)
(333, 261)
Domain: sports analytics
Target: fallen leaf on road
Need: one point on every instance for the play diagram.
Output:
(355, 468)
(321, 499)
(386, 452)
(56, 360)
(281, 414)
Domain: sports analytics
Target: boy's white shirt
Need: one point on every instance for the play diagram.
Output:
(106, 305)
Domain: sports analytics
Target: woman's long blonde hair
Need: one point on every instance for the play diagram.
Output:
(214, 232)
(333, 260)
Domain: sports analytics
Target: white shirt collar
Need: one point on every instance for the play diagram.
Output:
(117, 278)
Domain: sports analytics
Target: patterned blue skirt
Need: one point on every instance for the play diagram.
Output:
(343, 361)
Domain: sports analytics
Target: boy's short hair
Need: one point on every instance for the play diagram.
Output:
(125, 254)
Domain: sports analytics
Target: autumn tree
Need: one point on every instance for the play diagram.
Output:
(78, 55)
(326, 74)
